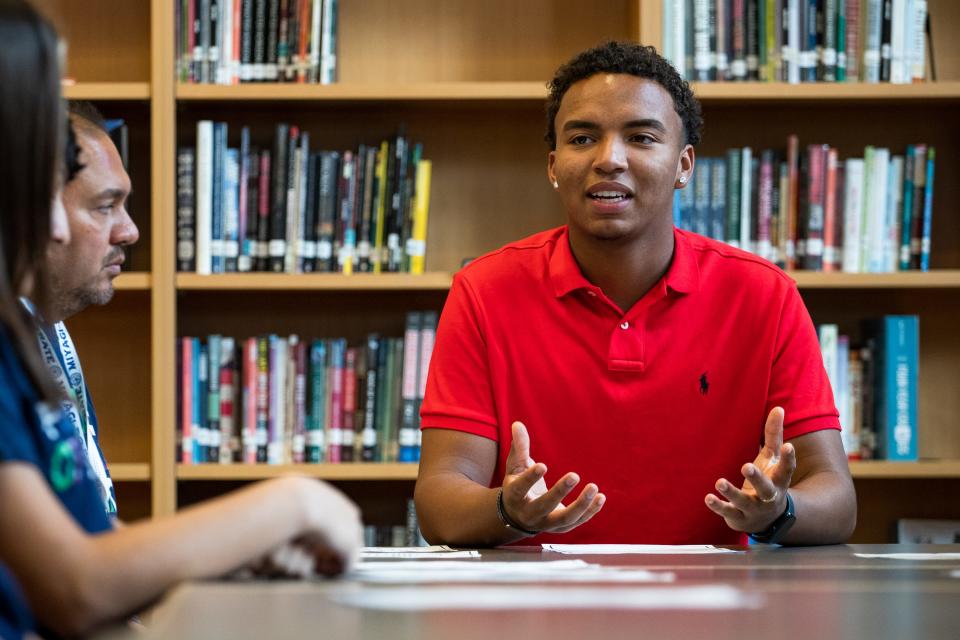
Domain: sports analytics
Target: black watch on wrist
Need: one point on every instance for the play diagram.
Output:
(779, 527)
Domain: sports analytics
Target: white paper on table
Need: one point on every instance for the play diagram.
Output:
(911, 556)
(613, 549)
(436, 548)
(366, 556)
(401, 572)
(713, 597)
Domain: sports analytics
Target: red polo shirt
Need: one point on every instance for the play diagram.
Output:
(653, 405)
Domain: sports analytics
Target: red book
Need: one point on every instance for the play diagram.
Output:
(250, 401)
(228, 439)
(335, 376)
(349, 405)
(831, 244)
(299, 401)
(793, 180)
(816, 179)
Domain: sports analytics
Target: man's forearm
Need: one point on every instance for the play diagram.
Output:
(454, 510)
(825, 504)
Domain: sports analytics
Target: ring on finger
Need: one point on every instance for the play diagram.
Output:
(773, 498)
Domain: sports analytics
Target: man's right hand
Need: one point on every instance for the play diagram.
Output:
(528, 502)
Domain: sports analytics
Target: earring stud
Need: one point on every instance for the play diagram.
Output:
(556, 185)
(683, 179)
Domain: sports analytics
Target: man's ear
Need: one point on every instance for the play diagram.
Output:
(551, 161)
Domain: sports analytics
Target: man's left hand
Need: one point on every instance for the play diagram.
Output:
(763, 496)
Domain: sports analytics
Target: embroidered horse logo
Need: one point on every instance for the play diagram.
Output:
(704, 384)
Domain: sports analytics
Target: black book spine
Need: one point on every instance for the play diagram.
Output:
(753, 39)
(253, 209)
(366, 211)
(259, 39)
(246, 40)
(368, 435)
(283, 40)
(273, 28)
(278, 209)
(293, 42)
(291, 231)
(310, 216)
(216, 36)
(264, 203)
(186, 248)
(395, 251)
(204, 40)
(329, 173)
(885, 37)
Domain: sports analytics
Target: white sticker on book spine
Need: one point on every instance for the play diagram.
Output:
(278, 248)
(324, 249)
(315, 438)
(336, 437)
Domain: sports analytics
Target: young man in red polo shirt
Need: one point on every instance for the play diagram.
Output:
(648, 362)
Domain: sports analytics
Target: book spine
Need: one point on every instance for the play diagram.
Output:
(871, 49)
(244, 210)
(765, 206)
(828, 335)
(886, 20)
(842, 39)
(187, 383)
(829, 53)
(258, 67)
(854, 424)
(701, 41)
(231, 210)
(199, 427)
(899, 412)
(783, 209)
(854, 43)
(271, 67)
(917, 43)
(335, 433)
(721, 21)
(316, 424)
(263, 398)
(369, 433)
(408, 421)
(348, 237)
(300, 401)
(927, 212)
(877, 210)
(218, 190)
(849, 438)
(894, 205)
(328, 43)
(364, 232)
(831, 253)
(718, 199)
(250, 394)
(746, 189)
(906, 214)
(186, 256)
(428, 335)
(916, 213)
(292, 228)
(349, 404)
(898, 48)
(278, 405)
(228, 437)
(204, 196)
(701, 196)
(734, 176)
(752, 35)
(327, 206)
(277, 248)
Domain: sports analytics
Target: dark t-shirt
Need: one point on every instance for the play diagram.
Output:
(35, 433)
(15, 618)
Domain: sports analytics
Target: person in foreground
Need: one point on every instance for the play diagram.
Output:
(649, 363)
(76, 571)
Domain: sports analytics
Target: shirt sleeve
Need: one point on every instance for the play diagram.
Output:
(459, 393)
(15, 441)
(798, 381)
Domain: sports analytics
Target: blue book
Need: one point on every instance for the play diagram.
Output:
(701, 197)
(200, 391)
(216, 216)
(898, 346)
(687, 204)
(718, 200)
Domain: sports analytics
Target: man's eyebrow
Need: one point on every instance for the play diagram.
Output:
(652, 123)
(112, 194)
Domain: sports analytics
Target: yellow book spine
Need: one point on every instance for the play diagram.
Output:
(377, 250)
(418, 246)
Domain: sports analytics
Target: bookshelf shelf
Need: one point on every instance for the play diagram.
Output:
(715, 92)
(134, 281)
(436, 281)
(905, 470)
(107, 91)
(374, 91)
(341, 471)
(946, 278)
(123, 471)
(739, 92)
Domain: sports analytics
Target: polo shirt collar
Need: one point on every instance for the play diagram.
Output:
(683, 276)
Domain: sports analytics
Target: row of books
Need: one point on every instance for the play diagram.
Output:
(797, 40)
(875, 387)
(293, 209)
(232, 41)
(405, 535)
(807, 209)
(282, 400)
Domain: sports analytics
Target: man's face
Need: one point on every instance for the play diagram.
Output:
(82, 271)
(619, 156)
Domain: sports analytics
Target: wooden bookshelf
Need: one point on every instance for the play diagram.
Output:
(374, 92)
(342, 471)
(437, 281)
(469, 85)
(130, 471)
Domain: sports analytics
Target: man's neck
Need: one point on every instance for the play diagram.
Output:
(624, 270)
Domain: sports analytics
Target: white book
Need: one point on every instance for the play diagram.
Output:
(898, 51)
(308, 248)
(891, 237)
(204, 195)
(226, 42)
(293, 215)
(828, 335)
(791, 53)
(871, 45)
(850, 443)
(328, 43)
(316, 12)
(852, 213)
(746, 188)
(918, 41)
(701, 40)
(876, 210)
(231, 205)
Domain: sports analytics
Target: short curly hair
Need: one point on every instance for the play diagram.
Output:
(629, 58)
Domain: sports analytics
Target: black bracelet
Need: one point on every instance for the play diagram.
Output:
(507, 520)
